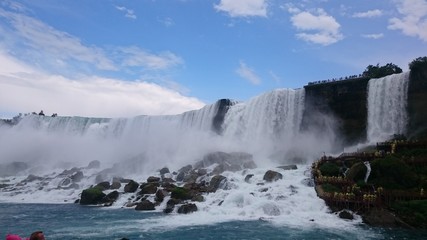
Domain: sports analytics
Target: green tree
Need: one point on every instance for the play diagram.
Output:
(418, 64)
(378, 71)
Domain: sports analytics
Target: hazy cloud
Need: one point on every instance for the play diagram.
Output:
(45, 41)
(243, 8)
(248, 73)
(59, 51)
(413, 21)
(318, 28)
(373, 36)
(136, 57)
(24, 89)
(129, 13)
(368, 14)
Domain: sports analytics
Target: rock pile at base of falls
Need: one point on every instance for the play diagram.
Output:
(182, 189)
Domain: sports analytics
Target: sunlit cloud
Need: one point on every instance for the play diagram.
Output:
(24, 89)
(243, 8)
(413, 21)
(129, 13)
(368, 14)
(317, 27)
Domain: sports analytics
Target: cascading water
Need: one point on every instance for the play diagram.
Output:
(267, 122)
(387, 101)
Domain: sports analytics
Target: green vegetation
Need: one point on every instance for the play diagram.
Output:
(180, 193)
(381, 71)
(392, 173)
(413, 212)
(327, 187)
(418, 64)
(329, 169)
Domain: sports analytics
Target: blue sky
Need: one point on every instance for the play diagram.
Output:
(127, 58)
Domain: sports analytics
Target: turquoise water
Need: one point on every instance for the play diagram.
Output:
(70, 221)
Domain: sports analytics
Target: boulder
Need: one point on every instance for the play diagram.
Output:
(115, 185)
(145, 205)
(346, 215)
(77, 177)
(170, 205)
(234, 161)
(215, 183)
(164, 170)
(181, 193)
(288, 167)
(131, 187)
(152, 179)
(94, 164)
(91, 196)
(191, 177)
(103, 185)
(271, 176)
(110, 198)
(187, 208)
(148, 188)
(248, 177)
(160, 195)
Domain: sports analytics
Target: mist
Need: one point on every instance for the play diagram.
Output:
(267, 126)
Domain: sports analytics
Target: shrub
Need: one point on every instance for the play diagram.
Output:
(329, 169)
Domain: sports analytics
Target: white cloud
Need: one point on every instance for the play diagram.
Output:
(167, 21)
(136, 57)
(413, 21)
(45, 42)
(129, 13)
(368, 14)
(248, 73)
(373, 36)
(23, 89)
(53, 49)
(243, 8)
(318, 28)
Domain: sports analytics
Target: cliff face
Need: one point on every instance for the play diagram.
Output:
(417, 104)
(344, 101)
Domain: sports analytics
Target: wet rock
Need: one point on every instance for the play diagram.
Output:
(215, 183)
(181, 193)
(145, 205)
(32, 178)
(115, 185)
(170, 205)
(103, 185)
(248, 177)
(149, 188)
(77, 177)
(271, 176)
(152, 179)
(110, 198)
(198, 198)
(288, 167)
(187, 208)
(160, 195)
(164, 170)
(346, 215)
(131, 187)
(92, 196)
(233, 162)
(191, 177)
(309, 182)
(94, 164)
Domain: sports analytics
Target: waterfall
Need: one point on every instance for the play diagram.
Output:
(263, 124)
(267, 122)
(387, 101)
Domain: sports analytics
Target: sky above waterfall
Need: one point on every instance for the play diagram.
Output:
(125, 58)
